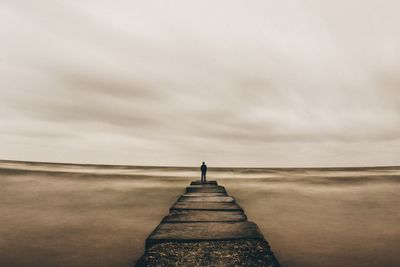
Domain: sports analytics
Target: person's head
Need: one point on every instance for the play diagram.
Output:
(204, 163)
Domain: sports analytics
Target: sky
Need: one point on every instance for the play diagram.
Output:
(233, 83)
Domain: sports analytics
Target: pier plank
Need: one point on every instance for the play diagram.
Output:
(227, 199)
(221, 206)
(206, 231)
(198, 182)
(203, 194)
(205, 189)
(205, 216)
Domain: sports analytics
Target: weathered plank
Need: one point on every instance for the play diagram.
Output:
(204, 216)
(206, 199)
(205, 189)
(198, 182)
(253, 252)
(189, 232)
(204, 194)
(221, 206)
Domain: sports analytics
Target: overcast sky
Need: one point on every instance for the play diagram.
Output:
(233, 83)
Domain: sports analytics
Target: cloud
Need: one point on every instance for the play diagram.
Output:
(168, 83)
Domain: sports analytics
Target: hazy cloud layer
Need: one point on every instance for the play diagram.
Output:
(234, 83)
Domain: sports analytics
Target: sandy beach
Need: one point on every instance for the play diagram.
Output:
(94, 215)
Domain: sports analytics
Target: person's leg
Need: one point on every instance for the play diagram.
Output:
(202, 176)
(205, 180)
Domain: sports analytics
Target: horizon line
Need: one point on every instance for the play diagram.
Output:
(215, 167)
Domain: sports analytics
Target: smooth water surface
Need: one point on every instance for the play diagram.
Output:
(88, 215)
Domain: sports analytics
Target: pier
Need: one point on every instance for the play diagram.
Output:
(206, 227)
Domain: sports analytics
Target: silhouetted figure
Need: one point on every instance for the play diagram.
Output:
(203, 169)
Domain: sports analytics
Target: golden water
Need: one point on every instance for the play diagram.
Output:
(71, 215)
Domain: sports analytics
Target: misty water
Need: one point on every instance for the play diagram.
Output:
(74, 215)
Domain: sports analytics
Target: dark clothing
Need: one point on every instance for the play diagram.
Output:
(203, 176)
(203, 169)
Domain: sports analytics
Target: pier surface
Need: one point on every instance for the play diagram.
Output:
(206, 227)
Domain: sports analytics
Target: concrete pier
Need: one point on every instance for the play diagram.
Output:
(206, 227)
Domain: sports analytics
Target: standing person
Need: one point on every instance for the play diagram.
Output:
(203, 169)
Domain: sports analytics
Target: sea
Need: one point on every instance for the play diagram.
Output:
(63, 215)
